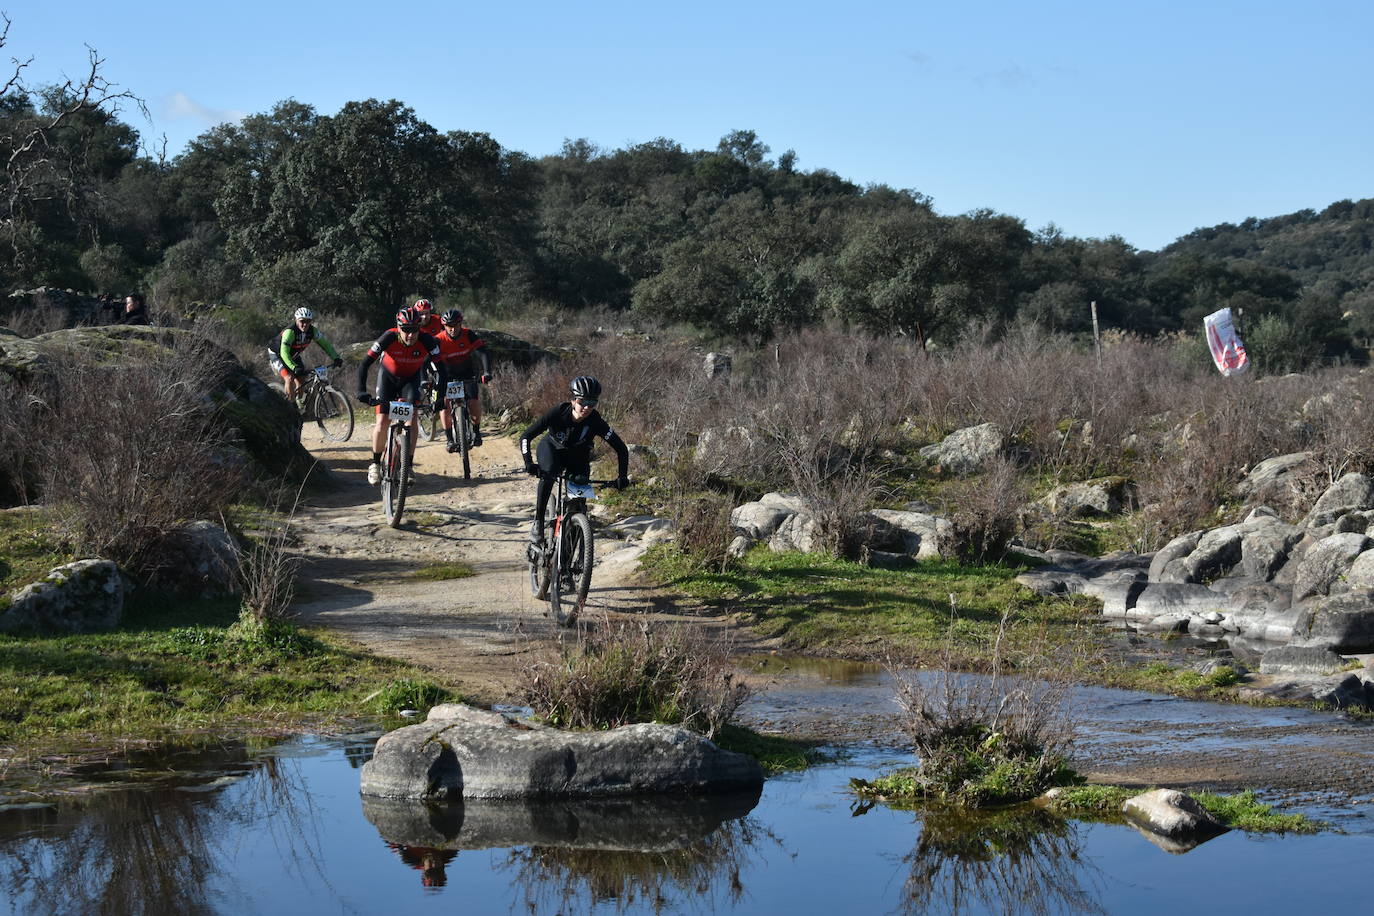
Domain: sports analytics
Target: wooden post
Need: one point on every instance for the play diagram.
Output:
(1097, 339)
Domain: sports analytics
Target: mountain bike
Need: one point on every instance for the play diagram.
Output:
(330, 408)
(456, 400)
(561, 572)
(396, 458)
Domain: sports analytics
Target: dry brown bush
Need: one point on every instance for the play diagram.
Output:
(132, 451)
(986, 511)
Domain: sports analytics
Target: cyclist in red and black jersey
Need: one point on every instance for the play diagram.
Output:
(404, 352)
(429, 319)
(459, 348)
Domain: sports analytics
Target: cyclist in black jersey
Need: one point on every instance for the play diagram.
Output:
(570, 429)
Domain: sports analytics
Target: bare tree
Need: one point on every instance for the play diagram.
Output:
(38, 168)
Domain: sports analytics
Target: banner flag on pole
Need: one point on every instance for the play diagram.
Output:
(1227, 350)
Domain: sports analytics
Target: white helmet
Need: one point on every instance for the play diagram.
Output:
(305, 313)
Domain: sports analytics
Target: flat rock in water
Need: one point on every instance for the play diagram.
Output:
(1172, 814)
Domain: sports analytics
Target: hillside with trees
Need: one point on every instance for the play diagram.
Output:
(360, 209)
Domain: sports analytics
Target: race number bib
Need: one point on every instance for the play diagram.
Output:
(580, 490)
(401, 411)
(457, 391)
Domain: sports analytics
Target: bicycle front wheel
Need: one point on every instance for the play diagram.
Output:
(397, 476)
(568, 590)
(334, 415)
(462, 430)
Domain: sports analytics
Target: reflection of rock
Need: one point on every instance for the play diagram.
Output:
(461, 752)
(1171, 846)
(656, 824)
(1173, 817)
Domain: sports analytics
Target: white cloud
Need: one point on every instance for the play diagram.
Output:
(179, 106)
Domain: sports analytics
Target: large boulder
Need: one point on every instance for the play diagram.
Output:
(1301, 660)
(1102, 496)
(1274, 477)
(757, 520)
(1352, 493)
(460, 752)
(968, 450)
(917, 534)
(1265, 545)
(82, 597)
(1341, 623)
(1167, 564)
(199, 559)
(1325, 563)
(797, 532)
(1068, 573)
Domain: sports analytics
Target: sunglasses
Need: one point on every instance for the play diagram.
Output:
(408, 328)
(585, 402)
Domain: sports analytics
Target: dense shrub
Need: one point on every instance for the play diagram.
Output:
(617, 674)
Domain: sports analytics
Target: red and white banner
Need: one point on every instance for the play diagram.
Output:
(1227, 350)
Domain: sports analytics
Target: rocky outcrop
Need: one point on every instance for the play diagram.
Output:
(461, 753)
(82, 597)
(264, 429)
(888, 537)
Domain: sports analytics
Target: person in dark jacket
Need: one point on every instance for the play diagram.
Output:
(134, 312)
(571, 428)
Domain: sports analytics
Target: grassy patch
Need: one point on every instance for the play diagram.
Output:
(774, 753)
(29, 547)
(817, 603)
(175, 667)
(1242, 811)
(1246, 812)
(439, 572)
(1161, 677)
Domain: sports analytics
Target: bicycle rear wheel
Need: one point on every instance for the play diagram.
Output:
(568, 590)
(396, 479)
(431, 419)
(334, 414)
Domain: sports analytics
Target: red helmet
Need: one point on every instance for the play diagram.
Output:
(423, 306)
(409, 319)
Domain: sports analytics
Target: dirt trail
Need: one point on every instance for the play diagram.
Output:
(358, 575)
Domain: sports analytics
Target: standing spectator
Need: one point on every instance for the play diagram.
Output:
(134, 312)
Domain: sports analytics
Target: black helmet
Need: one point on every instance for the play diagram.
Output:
(586, 388)
(452, 316)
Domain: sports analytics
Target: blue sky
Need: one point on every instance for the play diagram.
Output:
(1144, 120)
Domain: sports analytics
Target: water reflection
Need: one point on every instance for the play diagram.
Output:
(159, 847)
(1022, 861)
(133, 850)
(627, 852)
